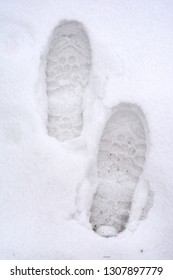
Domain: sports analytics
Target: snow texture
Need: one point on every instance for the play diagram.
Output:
(86, 127)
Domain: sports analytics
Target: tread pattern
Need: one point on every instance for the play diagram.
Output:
(67, 74)
(120, 162)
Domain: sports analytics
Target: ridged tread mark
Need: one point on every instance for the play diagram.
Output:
(120, 162)
(67, 74)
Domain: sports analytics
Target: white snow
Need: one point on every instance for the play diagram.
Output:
(132, 62)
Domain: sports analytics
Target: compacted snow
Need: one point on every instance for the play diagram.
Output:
(86, 142)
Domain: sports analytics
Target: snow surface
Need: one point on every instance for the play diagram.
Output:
(132, 62)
